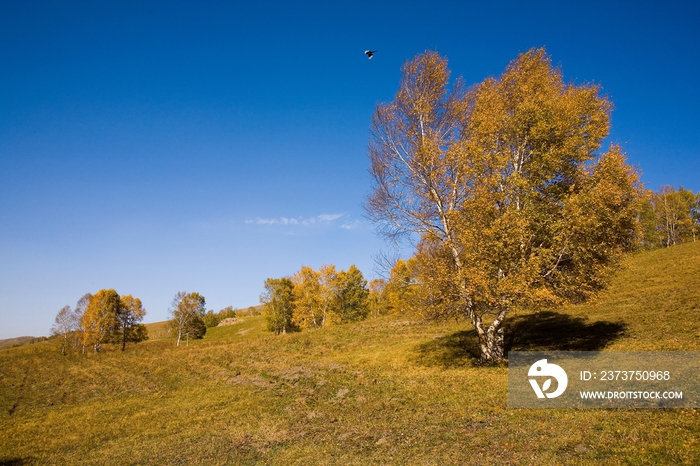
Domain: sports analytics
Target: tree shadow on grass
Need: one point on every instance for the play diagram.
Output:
(455, 350)
(540, 331)
(14, 461)
(552, 331)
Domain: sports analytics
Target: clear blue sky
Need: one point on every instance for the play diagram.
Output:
(157, 147)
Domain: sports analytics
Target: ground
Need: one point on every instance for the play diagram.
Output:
(388, 390)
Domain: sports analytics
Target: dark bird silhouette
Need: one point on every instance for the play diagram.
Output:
(369, 53)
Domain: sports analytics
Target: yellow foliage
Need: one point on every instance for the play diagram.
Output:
(504, 185)
(311, 303)
(100, 318)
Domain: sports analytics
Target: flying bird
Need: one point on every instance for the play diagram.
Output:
(369, 53)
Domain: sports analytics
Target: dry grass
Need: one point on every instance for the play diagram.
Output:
(391, 390)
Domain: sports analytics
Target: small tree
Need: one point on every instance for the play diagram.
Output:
(695, 216)
(227, 312)
(377, 304)
(669, 217)
(65, 324)
(210, 319)
(278, 299)
(187, 311)
(675, 211)
(330, 288)
(401, 290)
(310, 307)
(130, 315)
(352, 295)
(101, 318)
(79, 311)
(196, 330)
(650, 231)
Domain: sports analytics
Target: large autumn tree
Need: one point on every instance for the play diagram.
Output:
(504, 187)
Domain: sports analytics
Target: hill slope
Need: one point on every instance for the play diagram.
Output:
(17, 341)
(391, 390)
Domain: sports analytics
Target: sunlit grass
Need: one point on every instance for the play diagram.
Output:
(657, 297)
(391, 390)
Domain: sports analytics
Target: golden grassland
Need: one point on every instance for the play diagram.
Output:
(390, 390)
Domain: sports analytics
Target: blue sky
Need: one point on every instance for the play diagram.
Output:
(157, 147)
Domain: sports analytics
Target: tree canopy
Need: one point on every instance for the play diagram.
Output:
(100, 319)
(105, 317)
(65, 323)
(187, 311)
(503, 189)
(129, 318)
(670, 216)
(313, 299)
(278, 301)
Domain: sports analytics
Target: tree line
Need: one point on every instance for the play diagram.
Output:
(398, 292)
(669, 217)
(104, 317)
(315, 298)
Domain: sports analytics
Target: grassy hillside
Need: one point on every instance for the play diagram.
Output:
(392, 390)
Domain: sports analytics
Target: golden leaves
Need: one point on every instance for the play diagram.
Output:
(504, 185)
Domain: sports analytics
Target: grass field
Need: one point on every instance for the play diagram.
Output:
(391, 390)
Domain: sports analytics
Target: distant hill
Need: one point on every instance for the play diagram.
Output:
(18, 341)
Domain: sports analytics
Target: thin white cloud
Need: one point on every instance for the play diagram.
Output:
(323, 219)
(329, 218)
(350, 225)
